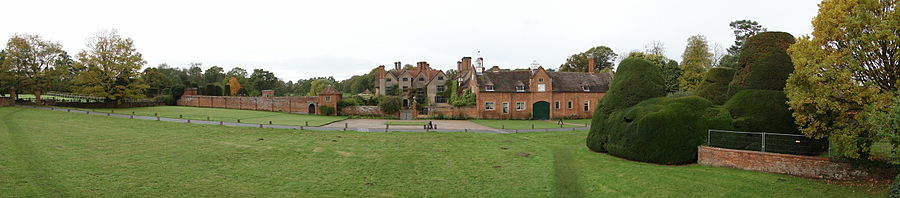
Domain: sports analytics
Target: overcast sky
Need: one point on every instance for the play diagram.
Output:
(344, 38)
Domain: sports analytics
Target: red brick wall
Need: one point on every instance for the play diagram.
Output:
(452, 111)
(530, 98)
(6, 101)
(361, 110)
(296, 104)
(804, 166)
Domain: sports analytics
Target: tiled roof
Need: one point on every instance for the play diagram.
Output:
(506, 81)
(329, 91)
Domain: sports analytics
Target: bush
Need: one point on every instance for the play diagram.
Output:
(165, 98)
(390, 104)
(326, 110)
(761, 111)
(715, 85)
(177, 91)
(895, 188)
(348, 102)
(764, 62)
(635, 81)
(665, 130)
(243, 92)
(213, 90)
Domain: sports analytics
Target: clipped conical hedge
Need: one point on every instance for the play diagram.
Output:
(636, 80)
(764, 62)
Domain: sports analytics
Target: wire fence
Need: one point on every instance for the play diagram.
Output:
(766, 142)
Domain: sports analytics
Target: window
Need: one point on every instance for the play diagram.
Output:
(520, 88)
(540, 79)
(405, 79)
(520, 106)
(440, 78)
(556, 104)
(489, 106)
(587, 106)
(405, 89)
(570, 104)
(505, 107)
(489, 87)
(420, 91)
(542, 87)
(389, 80)
(440, 99)
(421, 79)
(585, 88)
(440, 88)
(327, 98)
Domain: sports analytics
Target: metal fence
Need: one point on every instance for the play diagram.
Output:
(766, 142)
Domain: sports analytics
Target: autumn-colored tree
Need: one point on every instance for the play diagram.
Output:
(111, 67)
(696, 59)
(234, 86)
(848, 66)
(31, 63)
(603, 57)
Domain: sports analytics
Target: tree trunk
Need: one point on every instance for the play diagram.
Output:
(37, 96)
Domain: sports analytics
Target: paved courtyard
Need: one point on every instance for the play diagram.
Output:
(441, 124)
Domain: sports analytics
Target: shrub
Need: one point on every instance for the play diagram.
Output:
(243, 92)
(665, 130)
(177, 91)
(635, 81)
(348, 102)
(761, 111)
(764, 62)
(390, 104)
(165, 98)
(715, 85)
(213, 90)
(326, 110)
(895, 188)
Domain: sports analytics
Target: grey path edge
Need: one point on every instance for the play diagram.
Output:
(275, 126)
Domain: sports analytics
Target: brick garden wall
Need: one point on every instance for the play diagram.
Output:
(361, 110)
(6, 101)
(803, 166)
(294, 104)
(451, 111)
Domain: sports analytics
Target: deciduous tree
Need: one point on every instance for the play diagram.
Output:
(111, 68)
(31, 63)
(603, 57)
(696, 59)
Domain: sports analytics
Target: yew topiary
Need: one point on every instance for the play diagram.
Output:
(715, 85)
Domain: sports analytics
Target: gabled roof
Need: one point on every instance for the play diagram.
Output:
(329, 91)
(506, 81)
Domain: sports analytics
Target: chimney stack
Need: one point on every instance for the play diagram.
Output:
(591, 65)
(397, 65)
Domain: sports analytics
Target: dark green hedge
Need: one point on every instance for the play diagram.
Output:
(895, 188)
(715, 85)
(636, 80)
(761, 111)
(665, 130)
(764, 62)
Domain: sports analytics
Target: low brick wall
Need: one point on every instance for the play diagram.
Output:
(6, 101)
(797, 165)
(450, 111)
(361, 110)
(293, 104)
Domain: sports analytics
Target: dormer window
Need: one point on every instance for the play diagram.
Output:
(440, 78)
(389, 80)
(405, 79)
(585, 88)
(520, 88)
(421, 79)
(540, 79)
(489, 87)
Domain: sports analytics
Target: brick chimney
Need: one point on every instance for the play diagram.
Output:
(591, 65)
(397, 65)
(380, 71)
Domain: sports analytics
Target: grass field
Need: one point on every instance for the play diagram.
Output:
(58, 154)
(228, 115)
(521, 124)
(586, 122)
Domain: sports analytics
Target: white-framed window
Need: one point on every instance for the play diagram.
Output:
(405, 89)
(520, 106)
(440, 99)
(556, 104)
(520, 88)
(587, 106)
(585, 88)
(505, 107)
(440, 88)
(489, 87)
(327, 98)
(570, 104)
(489, 106)
(542, 87)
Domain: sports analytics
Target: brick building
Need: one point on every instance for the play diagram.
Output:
(532, 93)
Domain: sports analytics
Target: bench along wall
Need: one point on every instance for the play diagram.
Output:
(798, 165)
(292, 104)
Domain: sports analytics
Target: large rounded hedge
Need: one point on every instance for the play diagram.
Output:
(665, 130)
(761, 111)
(764, 62)
(715, 85)
(636, 80)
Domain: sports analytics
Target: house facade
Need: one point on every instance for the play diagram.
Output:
(532, 93)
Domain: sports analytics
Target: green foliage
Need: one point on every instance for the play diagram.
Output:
(636, 81)
(168, 99)
(665, 130)
(348, 102)
(603, 58)
(849, 63)
(318, 85)
(111, 67)
(243, 92)
(695, 61)
(743, 29)
(466, 99)
(390, 104)
(214, 74)
(895, 188)
(177, 91)
(326, 110)
(764, 62)
(31, 63)
(213, 90)
(715, 85)
(761, 111)
(886, 124)
(668, 68)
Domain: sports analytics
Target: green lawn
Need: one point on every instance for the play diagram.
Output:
(58, 154)
(228, 115)
(521, 124)
(585, 122)
(406, 123)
